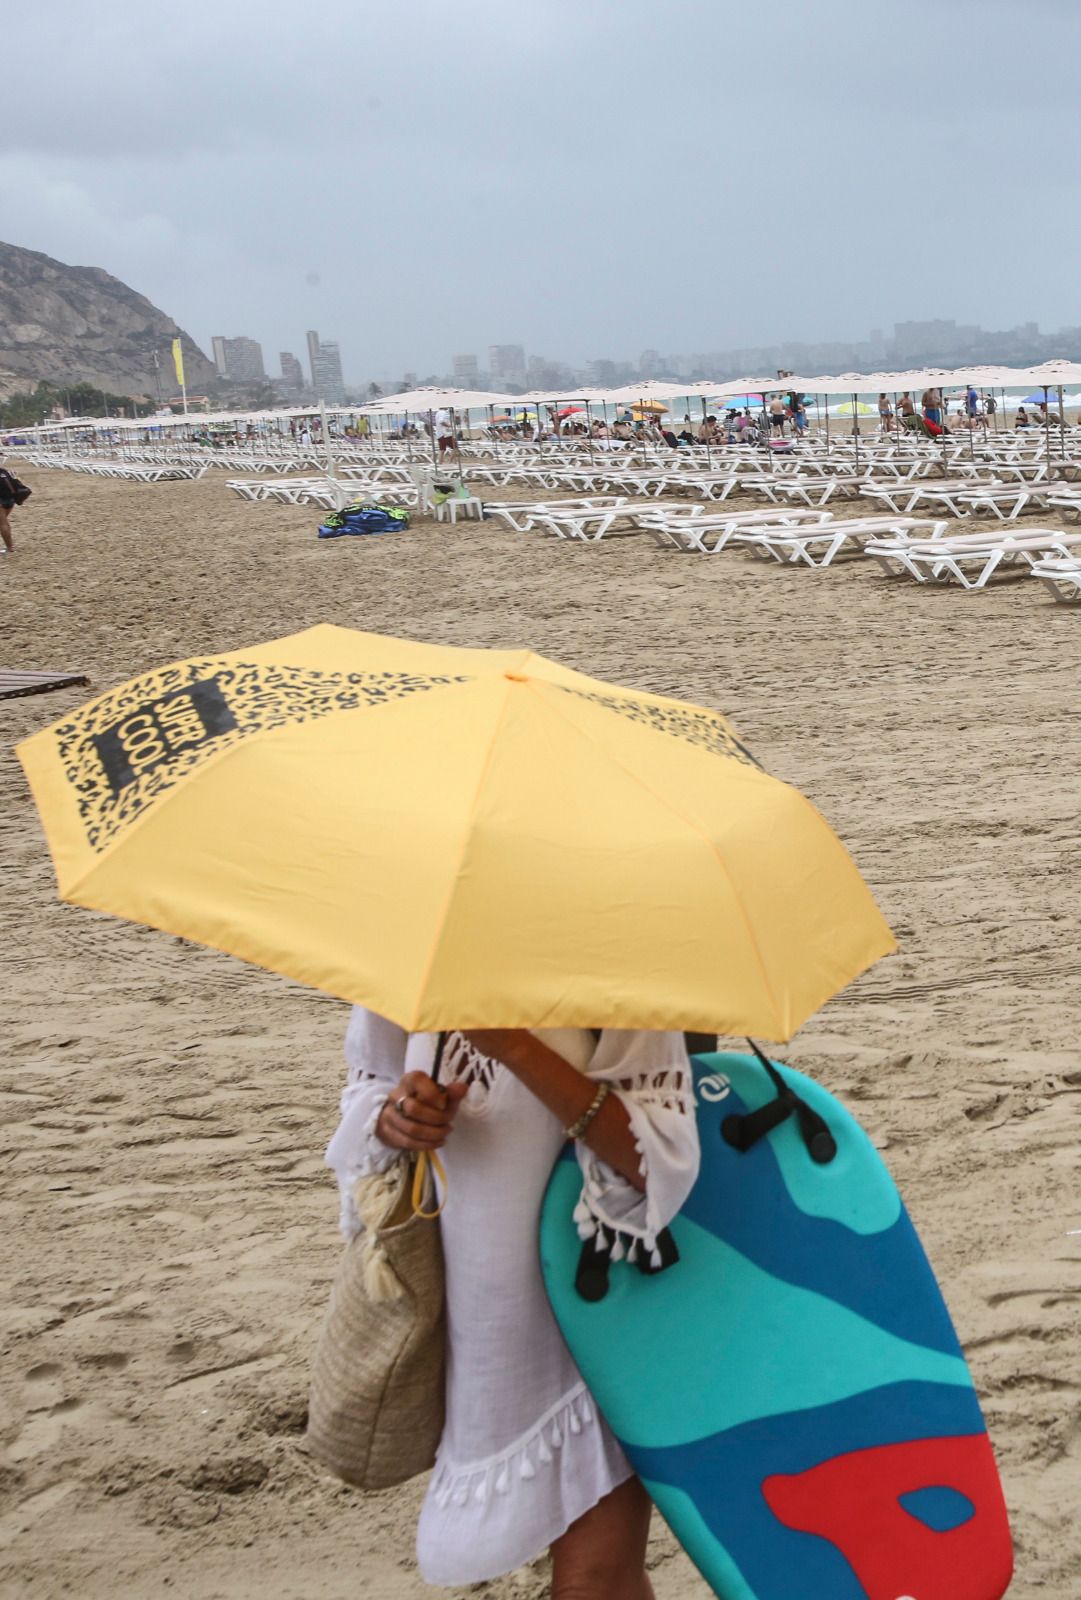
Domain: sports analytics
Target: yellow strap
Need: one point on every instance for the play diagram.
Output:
(420, 1172)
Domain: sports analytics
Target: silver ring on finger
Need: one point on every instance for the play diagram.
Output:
(399, 1105)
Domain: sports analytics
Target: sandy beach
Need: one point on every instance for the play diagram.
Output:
(168, 1227)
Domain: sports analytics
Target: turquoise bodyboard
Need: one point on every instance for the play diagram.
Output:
(791, 1390)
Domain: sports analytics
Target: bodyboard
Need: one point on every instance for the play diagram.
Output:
(791, 1391)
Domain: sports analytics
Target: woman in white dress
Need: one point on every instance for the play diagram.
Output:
(526, 1462)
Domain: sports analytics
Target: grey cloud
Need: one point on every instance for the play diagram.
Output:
(587, 179)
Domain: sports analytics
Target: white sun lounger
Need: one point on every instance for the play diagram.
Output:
(693, 528)
(1006, 501)
(817, 547)
(972, 559)
(1062, 575)
(525, 515)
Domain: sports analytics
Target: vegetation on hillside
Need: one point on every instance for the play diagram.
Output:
(29, 406)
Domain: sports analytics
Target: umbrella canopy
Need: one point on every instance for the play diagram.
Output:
(1040, 399)
(734, 401)
(857, 409)
(456, 838)
(571, 411)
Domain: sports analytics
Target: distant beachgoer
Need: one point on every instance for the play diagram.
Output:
(972, 403)
(444, 434)
(932, 406)
(777, 413)
(905, 405)
(7, 505)
(885, 413)
(990, 405)
(305, 436)
(1022, 420)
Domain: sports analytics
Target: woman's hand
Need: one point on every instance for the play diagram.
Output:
(419, 1114)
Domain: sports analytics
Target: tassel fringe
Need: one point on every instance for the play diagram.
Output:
(526, 1459)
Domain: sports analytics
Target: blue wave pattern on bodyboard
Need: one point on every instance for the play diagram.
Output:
(872, 1274)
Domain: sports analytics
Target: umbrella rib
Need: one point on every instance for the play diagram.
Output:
(662, 800)
(482, 777)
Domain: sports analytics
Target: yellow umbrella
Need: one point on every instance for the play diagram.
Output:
(456, 838)
(643, 408)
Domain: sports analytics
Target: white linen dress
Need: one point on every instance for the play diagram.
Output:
(524, 1452)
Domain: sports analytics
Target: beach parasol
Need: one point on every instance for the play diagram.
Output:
(456, 838)
(571, 411)
(644, 407)
(855, 408)
(739, 401)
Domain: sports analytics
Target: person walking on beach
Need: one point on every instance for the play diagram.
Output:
(777, 415)
(8, 503)
(885, 413)
(526, 1462)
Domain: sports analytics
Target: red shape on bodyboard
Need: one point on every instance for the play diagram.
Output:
(853, 1501)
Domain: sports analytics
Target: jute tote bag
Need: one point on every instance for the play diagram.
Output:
(375, 1410)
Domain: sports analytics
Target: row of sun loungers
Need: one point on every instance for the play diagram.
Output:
(328, 493)
(137, 471)
(920, 547)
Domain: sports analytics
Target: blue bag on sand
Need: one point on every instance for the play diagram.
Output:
(360, 518)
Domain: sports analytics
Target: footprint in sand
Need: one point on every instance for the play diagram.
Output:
(43, 1429)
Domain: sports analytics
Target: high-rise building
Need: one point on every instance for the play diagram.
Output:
(325, 361)
(313, 351)
(292, 373)
(240, 360)
(506, 363)
(465, 369)
(331, 385)
(649, 364)
(602, 371)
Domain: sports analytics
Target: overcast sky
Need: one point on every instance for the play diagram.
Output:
(588, 178)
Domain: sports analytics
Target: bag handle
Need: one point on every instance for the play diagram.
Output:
(430, 1158)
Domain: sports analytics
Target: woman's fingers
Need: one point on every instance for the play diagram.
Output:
(420, 1114)
(405, 1134)
(416, 1111)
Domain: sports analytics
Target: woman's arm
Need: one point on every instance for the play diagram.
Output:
(568, 1094)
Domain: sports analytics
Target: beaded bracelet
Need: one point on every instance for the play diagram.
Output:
(576, 1130)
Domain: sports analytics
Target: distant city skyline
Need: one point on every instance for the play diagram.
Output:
(511, 368)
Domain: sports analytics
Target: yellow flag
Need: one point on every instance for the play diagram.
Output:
(178, 362)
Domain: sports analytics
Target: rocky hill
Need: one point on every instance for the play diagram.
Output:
(66, 324)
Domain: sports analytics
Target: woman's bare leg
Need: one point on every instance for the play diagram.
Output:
(5, 530)
(602, 1556)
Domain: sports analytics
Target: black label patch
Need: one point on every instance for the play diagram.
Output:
(159, 730)
(126, 750)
